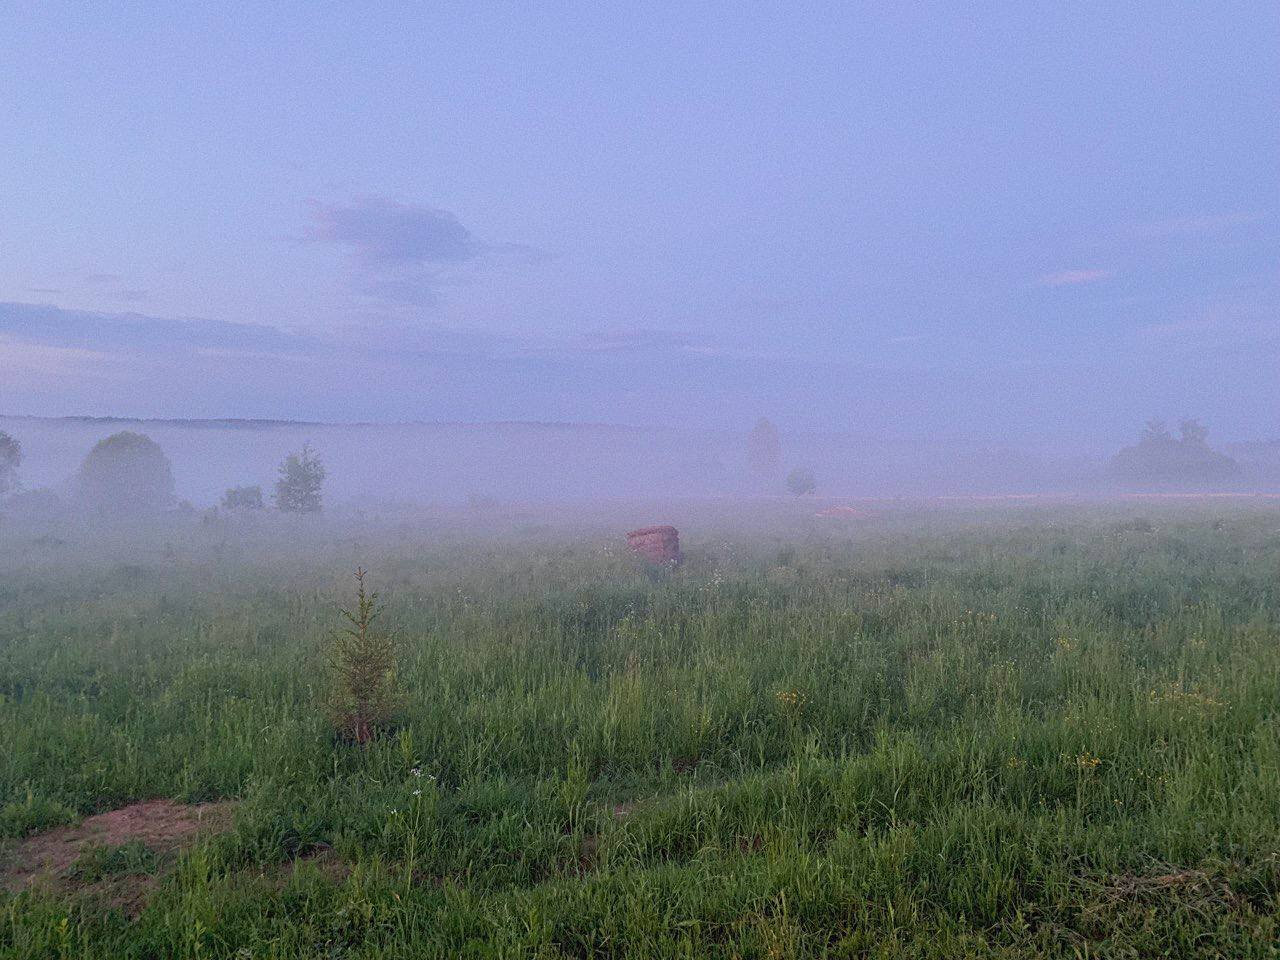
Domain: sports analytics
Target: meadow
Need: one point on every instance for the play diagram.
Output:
(943, 733)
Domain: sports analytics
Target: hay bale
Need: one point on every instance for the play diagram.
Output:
(659, 544)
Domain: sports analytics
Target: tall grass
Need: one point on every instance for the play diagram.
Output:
(995, 735)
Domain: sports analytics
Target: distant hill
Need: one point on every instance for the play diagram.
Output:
(234, 423)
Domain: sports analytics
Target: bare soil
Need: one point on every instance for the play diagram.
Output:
(165, 828)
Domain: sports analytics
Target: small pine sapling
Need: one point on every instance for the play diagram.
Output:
(363, 664)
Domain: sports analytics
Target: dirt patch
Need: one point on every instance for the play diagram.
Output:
(685, 764)
(589, 853)
(623, 810)
(117, 855)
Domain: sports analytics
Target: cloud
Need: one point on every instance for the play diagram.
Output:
(403, 253)
(385, 233)
(28, 366)
(44, 326)
(414, 286)
(1065, 278)
(74, 362)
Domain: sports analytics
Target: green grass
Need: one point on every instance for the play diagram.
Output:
(982, 733)
(100, 861)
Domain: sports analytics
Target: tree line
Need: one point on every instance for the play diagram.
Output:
(130, 473)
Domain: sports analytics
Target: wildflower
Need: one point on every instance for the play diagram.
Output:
(416, 772)
(1016, 763)
(1175, 693)
(417, 793)
(791, 699)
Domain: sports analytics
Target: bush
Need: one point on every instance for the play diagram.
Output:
(126, 473)
(363, 666)
(10, 459)
(301, 477)
(801, 481)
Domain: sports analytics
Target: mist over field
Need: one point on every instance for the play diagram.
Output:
(447, 465)
(450, 463)
(658, 481)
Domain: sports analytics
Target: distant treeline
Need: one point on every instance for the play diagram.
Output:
(1160, 457)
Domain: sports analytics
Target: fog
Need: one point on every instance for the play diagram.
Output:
(483, 466)
(944, 253)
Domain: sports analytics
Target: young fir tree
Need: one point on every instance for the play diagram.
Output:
(363, 668)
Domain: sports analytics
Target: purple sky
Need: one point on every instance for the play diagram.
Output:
(1013, 218)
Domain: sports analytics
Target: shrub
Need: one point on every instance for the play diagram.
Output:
(363, 665)
(126, 473)
(801, 481)
(301, 477)
(10, 459)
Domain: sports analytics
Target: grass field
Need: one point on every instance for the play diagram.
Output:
(982, 732)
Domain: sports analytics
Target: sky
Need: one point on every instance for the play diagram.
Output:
(1002, 219)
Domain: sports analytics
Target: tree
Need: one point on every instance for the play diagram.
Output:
(242, 498)
(10, 460)
(1161, 458)
(363, 666)
(1194, 432)
(800, 481)
(126, 473)
(764, 449)
(301, 477)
